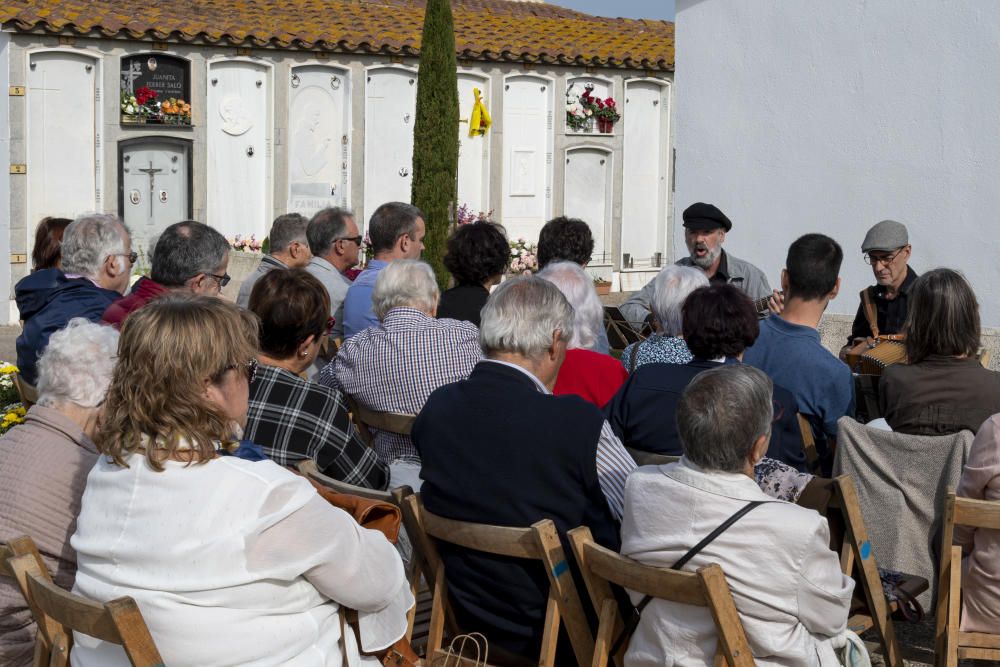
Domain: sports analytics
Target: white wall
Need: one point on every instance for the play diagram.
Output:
(5, 211)
(812, 115)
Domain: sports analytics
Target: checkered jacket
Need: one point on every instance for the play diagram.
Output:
(395, 367)
(295, 420)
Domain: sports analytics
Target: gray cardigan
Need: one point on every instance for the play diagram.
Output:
(44, 465)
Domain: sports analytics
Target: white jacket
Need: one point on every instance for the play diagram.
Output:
(787, 583)
(233, 562)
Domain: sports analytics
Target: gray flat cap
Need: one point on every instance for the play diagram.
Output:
(886, 235)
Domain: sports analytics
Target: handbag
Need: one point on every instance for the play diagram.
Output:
(633, 621)
(372, 514)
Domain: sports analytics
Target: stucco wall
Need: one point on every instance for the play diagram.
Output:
(824, 116)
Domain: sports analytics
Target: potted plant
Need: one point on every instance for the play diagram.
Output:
(607, 115)
(602, 286)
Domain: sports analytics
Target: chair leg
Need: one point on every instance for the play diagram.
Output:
(435, 634)
(550, 633)
(605, 628)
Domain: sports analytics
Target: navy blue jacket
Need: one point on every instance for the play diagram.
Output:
(47, 301)
(496, 450)
(643, 414)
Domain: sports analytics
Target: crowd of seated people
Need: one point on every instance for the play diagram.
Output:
(156, 463)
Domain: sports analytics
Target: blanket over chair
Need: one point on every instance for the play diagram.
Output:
(902, 482)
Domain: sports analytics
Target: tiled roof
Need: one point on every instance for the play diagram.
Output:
(500, 30)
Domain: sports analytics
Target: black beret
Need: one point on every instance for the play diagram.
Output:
(705, 217)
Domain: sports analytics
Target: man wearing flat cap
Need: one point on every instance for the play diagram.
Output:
(887, 249)
(705, 228)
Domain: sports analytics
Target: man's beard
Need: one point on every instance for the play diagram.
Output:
(705, 261)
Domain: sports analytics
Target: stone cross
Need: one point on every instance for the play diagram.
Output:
(152, 180)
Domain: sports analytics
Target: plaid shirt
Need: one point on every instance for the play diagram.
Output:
(395, 367)
(294, 420)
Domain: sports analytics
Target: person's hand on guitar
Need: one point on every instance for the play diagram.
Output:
(776, 302)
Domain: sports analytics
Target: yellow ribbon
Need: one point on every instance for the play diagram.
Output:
(480, 121)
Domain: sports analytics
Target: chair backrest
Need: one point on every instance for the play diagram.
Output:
(25, 546)
(902, 503)
(621, 332)
(539, 542)
(28, 393)
(309, 469)
(19, 546)
(952, 644)
(642, 458)
(707, 587)
(59, 613)
(393, 422)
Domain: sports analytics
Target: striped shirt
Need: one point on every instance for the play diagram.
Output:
(396, 366)
(614, 463)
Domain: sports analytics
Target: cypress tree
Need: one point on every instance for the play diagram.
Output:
(435, 132)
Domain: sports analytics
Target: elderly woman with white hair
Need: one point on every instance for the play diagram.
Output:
(671, 288)
(44, 464)
(593, 376)
(791, 595)
(394, 367)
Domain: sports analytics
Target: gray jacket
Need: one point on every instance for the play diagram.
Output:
(336, 286)
(741, 273)
(267, 263)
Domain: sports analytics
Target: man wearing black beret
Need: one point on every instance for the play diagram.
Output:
(705, 228)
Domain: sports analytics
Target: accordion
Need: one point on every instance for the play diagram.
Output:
(872, 358)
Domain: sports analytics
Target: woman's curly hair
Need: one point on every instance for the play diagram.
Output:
(719, 321)
(167, 352)
(476, 252)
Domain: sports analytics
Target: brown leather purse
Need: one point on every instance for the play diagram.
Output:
(374, 514)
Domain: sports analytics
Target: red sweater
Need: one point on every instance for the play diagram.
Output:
(593, 376)
(142, 293)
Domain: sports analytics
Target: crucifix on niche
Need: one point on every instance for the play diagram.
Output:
(154, 186)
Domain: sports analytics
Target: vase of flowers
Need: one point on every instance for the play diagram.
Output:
(607, 115)
(523, 257)
(580, 109)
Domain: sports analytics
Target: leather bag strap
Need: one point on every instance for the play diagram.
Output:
(870, 313)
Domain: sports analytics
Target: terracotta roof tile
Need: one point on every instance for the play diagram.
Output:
(484, 29)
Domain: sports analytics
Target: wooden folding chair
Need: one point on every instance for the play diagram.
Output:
(642, 458)
(540, 542)
(837, 500)
(953, 644)
(808, 442)
(25, 546)
(707, 587)
(365, 419)
(309, 470)
(622, 333)
(59, 613)
(27, 392)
